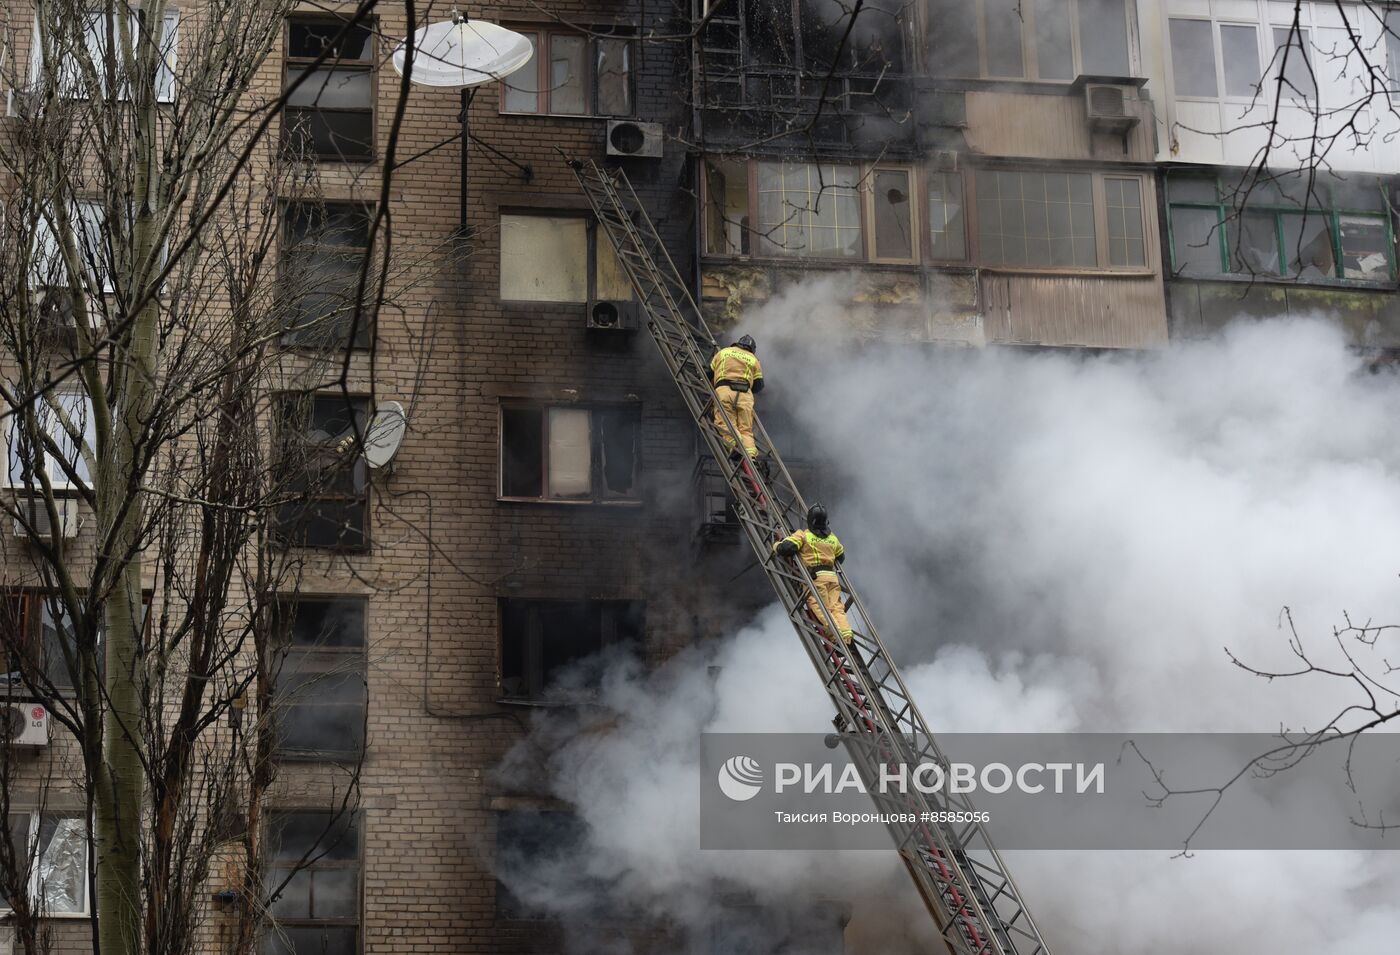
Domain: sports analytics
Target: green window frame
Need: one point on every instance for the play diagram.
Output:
(1286, 223)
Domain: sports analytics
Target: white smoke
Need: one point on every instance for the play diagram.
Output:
(1049, 542)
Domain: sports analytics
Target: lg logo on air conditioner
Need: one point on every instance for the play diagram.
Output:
(740, 778)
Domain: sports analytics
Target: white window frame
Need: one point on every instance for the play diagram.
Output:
(57, 477)
(1263, 27)
(1030, 61)
(31, 848)
(165, 72)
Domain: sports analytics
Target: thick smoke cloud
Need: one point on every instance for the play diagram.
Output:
(1050, 542)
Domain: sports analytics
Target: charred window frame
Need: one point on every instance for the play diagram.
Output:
(313, 883)
(570, 453)
(1268, 230)
(1047, 40)
(320, 690)
(331, 115)
(839, 212)
(40, 637)
(1063, 220)
(558, 257)
(573, 74)
(526, 840)
(51, 848)
(324, 477)
(323, 251)
(1240, 60)
(543, 639)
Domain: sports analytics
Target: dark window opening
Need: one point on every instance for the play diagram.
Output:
(331, 114)
(324, 475)
(41, 638)
(313, 882)
(323, 254)
(319, 690)
(570, 454)
(526, 842)
(546, 644)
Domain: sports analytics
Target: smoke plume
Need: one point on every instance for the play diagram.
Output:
(1049, 542)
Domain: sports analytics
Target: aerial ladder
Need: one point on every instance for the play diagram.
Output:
(960, 876)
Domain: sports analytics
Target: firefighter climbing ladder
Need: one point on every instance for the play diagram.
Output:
(961, 877)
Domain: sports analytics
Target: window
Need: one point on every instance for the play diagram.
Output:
(323, 254)
(313, 881)
(319, 689)
(572, 75)
(39, 637)
(945, 216)
(52, 848)
(1392, 51)
(1215, 60)
(558, 259)
(1060, 220)
(88, 224)
(545, 642)
(808, 210)
(63, 418)
(569, 453)
(73, 71)
(1050, 40)
(525, 841)
(331, 114)
(324, 475)
(1281, 228)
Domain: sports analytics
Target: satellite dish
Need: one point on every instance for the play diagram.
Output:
(384, 434)
(456, 54)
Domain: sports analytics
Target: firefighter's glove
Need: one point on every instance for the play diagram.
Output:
(786, 549)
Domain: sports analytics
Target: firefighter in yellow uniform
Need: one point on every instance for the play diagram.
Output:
(737, 377)
(822, 552)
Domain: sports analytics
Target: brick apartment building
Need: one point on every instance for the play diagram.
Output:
(1002, 180)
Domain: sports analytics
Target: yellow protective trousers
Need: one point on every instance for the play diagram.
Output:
(829, 590)
(739, 406)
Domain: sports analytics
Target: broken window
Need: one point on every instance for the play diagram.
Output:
(526, 842)
(323, 474)
(1052, 40)
(809, 210)
(313, 884)
(1291, 225)
(1036, 219)
(319, 691)
(569, 453)
(572, 75)
(874, 43)
(727, 207)
(545, 644)
(547, 259)
(51, 860)
(892, 214)
(323, 254)
(945, 214)
(63, 429)
(330, 115)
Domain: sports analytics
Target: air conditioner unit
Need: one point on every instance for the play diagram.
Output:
(633, 139)
(613, 316)
(945, 160)
(33, 508)
(24, 724)
(1109, 107)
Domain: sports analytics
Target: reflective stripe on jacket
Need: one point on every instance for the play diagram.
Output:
(817, 551)
(733, 363)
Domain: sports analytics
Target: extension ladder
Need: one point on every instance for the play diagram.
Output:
(960, 876)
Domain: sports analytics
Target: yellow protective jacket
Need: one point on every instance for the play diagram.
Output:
(733, 363)
(820, 554)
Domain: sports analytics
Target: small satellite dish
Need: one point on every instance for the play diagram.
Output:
(459, 53)
(384, 434)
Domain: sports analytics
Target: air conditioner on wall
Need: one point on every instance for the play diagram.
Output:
(1109, 107)
(39, 520)
(24, 724)
(607, 315)
(633, 139)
